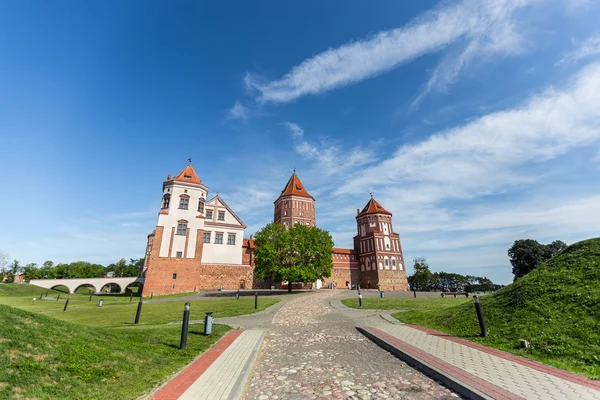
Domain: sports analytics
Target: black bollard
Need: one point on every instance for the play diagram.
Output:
(415, 293)
(41, 295)
(382, 294)
(66, 304)
(90, 297)
(237, 295)
(130, 296)
(139, 311)
(255, 300)
(359, 299)
(58, 297)
(480, 317)
(151, 294)
(184, 326)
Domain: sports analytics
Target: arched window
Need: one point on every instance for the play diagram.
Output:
(184, 201)
(386, 262)
(165, 201)
(201, 205)
(182, 227)
(393, 263)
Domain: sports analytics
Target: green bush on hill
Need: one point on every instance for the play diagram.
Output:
(556, 308)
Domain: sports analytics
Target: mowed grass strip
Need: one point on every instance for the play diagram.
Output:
(43, 358)
(426, 304)
(122, 312)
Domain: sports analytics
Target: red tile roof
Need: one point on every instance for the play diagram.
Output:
(295, 188)
(188, 175)
(337, 250)
(373, 207)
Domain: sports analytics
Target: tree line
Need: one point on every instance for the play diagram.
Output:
(424, 280)
(77, 269)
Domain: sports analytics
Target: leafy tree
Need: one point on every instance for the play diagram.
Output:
(422, 279)
(47, 270)
(30, 271)
(526, 254)
(299, 254)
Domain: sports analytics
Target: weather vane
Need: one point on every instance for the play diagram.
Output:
(371, 193)
(294, 169)
(190, 160)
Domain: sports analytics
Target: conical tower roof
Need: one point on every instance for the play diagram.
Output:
(373, 207)
(294, 187)
(188, 175)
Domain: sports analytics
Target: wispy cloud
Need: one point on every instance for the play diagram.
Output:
(237, 112)
(485, 25)
(587, 49)
(332, 159)
(483, 156)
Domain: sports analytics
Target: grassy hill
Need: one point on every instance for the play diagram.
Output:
(44, 358)
(24, 289)
(556, 308)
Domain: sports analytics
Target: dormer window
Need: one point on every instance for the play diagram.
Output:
(184, 201)
(221, 216)
(166, 200)
(187, 177)
(201, 205)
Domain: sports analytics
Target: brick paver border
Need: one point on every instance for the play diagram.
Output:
(185, 378)
(462, 382)
(557, 372)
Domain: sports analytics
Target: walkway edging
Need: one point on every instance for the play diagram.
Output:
(448, 380)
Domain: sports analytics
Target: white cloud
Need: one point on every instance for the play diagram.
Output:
(238, 111)
(484, 156)
(587, 49)
(487, 26)
(332, 159)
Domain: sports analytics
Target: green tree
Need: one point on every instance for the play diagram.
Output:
(422, 279)
(47, 270)
(299, 254)
(527, 254)
(30, 271)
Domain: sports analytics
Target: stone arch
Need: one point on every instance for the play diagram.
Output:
(85, 285)
(111, 284)
(138, 285)
(61, 285)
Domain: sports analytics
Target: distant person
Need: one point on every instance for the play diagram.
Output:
(348, 285)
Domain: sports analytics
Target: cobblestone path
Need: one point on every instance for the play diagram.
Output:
(314, 352)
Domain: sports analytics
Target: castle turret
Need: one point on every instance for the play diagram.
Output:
(295, 205)
(379, 249)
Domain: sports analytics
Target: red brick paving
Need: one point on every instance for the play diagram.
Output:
(179, 384)
(559, 373)
(460, 375)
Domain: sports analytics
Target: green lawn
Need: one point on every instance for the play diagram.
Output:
(122, 312)
(426, 304)
(43, 358)
(24, 289)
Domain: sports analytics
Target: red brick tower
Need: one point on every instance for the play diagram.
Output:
(379, 250)
(295, 205)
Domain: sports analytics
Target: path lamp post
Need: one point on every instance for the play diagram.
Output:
(66, 304)
(255, 300)
(208, 323)
(138, 312)
(480, 317)
(184, 326)
(359, 299)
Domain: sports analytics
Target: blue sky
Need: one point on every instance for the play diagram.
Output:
(475, 122)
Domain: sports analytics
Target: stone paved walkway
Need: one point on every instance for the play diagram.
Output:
(312, 352)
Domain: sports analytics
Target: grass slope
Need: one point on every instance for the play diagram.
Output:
(44, 358)
(24, 289)
(424, 304)
(556, 308)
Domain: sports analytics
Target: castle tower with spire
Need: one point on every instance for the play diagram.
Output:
(294, 204)
(198, 242)
(378, 248)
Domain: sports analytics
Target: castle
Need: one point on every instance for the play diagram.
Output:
(199, 243)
